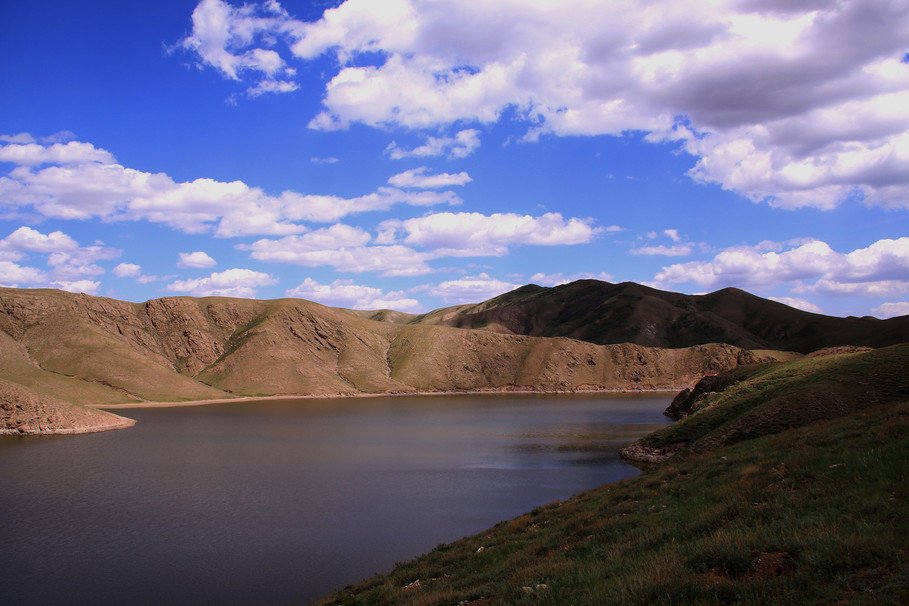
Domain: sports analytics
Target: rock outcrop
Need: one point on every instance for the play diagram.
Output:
(23, 412)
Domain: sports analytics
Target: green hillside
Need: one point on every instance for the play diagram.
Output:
(808, 506)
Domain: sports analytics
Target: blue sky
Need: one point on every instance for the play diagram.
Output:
(412, 154)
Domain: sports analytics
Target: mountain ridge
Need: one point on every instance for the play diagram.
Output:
(88, 350)
(627, 312)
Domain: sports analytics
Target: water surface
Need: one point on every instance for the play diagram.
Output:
(285, 501)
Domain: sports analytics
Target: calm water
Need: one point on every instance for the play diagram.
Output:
(284, 501)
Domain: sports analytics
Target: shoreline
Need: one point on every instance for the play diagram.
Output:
(494, 392)
(119, 423)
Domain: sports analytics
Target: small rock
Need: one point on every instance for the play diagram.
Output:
(481, 549)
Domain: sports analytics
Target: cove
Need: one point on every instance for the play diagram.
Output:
(284, 501)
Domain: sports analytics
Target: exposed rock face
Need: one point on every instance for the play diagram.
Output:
(645, 454)
(25, 413)
(93, 350)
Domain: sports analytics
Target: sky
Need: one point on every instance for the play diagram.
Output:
(413, 154)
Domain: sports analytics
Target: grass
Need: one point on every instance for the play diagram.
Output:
(771, 398)
(809, 514)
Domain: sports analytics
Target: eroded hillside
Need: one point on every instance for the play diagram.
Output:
(92, 350)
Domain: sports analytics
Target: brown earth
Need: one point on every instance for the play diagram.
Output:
(99, 351)
(604, 313)
(23, 412)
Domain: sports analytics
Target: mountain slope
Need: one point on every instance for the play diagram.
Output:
(93, 350)
(604, 313)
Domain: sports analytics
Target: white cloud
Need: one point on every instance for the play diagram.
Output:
(418, 178)
(127, 270)
(798, 304)
(74, 152)
(795, 104)
(15, 275)
(345, 249)
(111, 192)
(66, 259)
(229, 283)
(131, 270)
(892, 310)
(813, 266)
(676, 250)
(31, 240)
(461, 145)
(325, 160)
(87, 286)
(672, 234)
(220, 33)
(272, 86)
(476, 234)
(560, 278)
(197, 259)
(469, 289)
(345, 293)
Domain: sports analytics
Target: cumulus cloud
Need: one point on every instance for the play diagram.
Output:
(343, 248)
(475, 234)
(222, 34)
(13, 275)
(810, 267)
(31, 240)
(799, 105)
(404, 248)
(197, 259)
(134, 271)
(797, 303)
(229, 283)
(419, 178)
(66, 259)
(461, 145)
(345, 293)
(559, 278)
(127, 270)
(891, 310)
(469, 289)
(92, 186)
(74, 152)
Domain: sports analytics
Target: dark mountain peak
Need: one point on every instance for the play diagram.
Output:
(628, 312)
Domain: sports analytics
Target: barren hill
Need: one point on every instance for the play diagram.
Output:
(93, 350)
(604, 313)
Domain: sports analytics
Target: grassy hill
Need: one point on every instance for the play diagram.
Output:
(600, 312)
(789, 487)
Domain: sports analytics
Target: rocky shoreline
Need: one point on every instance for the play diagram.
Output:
(25, 413)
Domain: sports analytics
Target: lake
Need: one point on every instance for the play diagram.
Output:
(283, 501)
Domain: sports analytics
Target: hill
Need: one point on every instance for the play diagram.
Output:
(604, 313)
(100, 351)
(787, 487)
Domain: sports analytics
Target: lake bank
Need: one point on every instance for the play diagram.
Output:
(486, 392)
